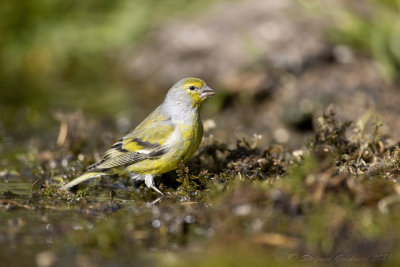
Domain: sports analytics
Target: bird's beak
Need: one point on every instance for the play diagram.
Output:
(206, 92)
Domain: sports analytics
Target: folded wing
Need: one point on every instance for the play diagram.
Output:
(146, 141)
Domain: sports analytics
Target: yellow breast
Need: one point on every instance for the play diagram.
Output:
(183, 144)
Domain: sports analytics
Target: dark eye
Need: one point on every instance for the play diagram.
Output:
(192, 87)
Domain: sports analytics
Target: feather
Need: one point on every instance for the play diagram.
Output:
(145, 142)
(82, 178)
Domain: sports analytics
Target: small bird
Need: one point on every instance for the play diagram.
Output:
(169, 136)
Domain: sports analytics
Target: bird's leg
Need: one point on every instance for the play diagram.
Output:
(148, 180)
(156, 189)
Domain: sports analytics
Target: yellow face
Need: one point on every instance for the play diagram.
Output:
(192, 85)
(197, 89)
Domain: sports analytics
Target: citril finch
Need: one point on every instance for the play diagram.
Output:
(169, 136)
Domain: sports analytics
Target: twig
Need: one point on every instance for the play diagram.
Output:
(15, 203)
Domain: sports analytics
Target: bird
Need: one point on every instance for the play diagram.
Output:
(167, 137)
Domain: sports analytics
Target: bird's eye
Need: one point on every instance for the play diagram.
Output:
(192, 87)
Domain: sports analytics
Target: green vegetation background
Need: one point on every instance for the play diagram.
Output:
(66, 55)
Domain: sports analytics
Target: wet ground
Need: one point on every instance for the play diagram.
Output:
(335, 200)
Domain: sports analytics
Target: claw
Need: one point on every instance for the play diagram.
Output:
(156, 189)
(148, 180)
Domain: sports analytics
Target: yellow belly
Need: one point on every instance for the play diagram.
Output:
(180, 152)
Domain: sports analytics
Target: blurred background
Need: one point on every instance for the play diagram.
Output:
(77, 75)
(101, 66)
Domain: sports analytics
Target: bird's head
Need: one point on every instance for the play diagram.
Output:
(191, 91)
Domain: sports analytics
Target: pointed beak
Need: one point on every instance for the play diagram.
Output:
(206, 92)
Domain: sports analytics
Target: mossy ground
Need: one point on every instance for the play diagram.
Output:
(335, 200)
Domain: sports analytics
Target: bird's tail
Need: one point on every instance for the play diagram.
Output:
(82, 178)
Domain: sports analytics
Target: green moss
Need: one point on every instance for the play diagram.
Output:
(323, 201)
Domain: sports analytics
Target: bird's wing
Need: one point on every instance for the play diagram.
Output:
(146, 141)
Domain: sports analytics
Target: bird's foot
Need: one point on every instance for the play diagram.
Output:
(156, 189)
